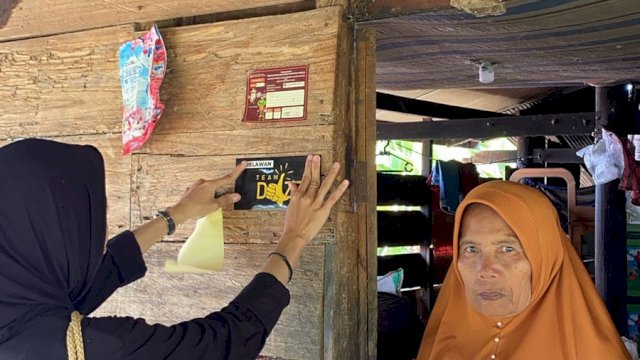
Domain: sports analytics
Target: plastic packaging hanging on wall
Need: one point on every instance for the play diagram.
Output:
(604, 159)
(143, 63)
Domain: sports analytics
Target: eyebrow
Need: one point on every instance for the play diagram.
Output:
(506, 240)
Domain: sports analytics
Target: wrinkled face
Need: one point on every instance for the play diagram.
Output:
(492, 263)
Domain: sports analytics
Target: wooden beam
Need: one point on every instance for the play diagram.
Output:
(35, 18)
(245, 140)
(382, 9)
(494, 156)
(285, 7)
(341, 285)
(366, 186)
(346, 4)
(428, 109)
(561, 156)
(483, 128)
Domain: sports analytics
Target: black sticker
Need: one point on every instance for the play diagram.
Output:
(263, 185)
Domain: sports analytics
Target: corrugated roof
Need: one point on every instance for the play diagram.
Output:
(551, 43)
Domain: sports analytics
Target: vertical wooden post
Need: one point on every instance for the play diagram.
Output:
(610, 224)
(365, 70)
(350, 298)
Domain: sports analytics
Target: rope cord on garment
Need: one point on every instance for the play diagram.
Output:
(75, 345)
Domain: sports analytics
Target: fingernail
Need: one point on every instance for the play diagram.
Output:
(345, 183)
(309, 157)
(235, 197)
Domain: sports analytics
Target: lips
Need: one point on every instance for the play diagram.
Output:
(491, 295)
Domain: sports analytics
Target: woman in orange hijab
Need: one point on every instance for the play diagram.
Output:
(516, 288)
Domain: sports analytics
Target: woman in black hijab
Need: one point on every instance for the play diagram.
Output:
(55, 267)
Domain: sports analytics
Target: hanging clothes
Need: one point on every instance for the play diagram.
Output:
(455, 180)
(630, 180)
(446, 174)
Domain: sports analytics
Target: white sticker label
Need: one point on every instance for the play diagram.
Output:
(260, 164)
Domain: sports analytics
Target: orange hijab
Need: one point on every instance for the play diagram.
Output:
(566, 318)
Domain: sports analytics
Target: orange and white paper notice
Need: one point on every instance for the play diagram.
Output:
(204, 249)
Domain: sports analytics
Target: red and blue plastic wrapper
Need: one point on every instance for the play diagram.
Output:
(143, 63)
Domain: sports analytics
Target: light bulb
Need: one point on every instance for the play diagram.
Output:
(486, 73)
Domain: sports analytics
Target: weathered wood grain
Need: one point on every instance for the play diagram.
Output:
(265, 140)
(68, 84)
(343, 333)
(327, 3)
(365, 118)
(61, 85)
(165, 298)
(33, 18)
(66, 87)
(381, 9)
(205, 87)
(117, 176)
(118, 180)
(160, 180)
(341, 295)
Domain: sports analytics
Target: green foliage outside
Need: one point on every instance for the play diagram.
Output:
(398, 156)
(405, 158)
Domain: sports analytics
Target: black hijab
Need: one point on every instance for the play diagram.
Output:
(52, 229)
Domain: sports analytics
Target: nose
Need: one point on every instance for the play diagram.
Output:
(487, 268)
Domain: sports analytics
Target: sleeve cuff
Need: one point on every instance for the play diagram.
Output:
(126, 252)
(266, 297)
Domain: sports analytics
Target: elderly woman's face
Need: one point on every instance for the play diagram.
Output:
(492, 263)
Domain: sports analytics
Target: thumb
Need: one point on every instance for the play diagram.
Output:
(281, 181)
(228, 199)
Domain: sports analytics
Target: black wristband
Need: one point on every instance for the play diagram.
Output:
(286, 261)
(169, 220)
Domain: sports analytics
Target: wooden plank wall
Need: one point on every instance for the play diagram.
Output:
(66, 87)
(171, 298)
(32, 18)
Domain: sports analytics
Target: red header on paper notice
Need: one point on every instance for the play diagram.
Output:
(277, 94)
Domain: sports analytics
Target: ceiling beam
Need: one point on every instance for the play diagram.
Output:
(556, 156)
(486, 128)
(428, 109)
(384, 9)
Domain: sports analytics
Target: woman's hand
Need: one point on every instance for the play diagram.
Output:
(199, 200)
(307, 212)
(309, 207)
